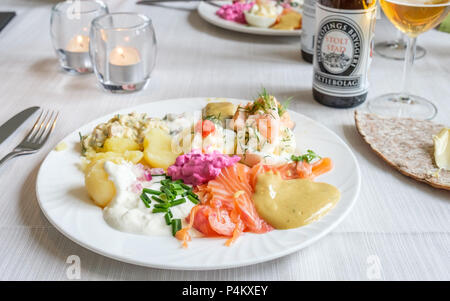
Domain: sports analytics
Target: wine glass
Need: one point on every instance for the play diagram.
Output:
(412, 17)
(396, 49)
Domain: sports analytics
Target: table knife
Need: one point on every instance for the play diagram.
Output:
(15, 122)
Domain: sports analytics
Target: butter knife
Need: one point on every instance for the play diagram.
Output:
(15, 122)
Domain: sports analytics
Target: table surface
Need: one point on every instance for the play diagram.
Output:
(398, 230)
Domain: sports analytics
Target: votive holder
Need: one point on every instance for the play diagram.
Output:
(123, 51)
(70, 25)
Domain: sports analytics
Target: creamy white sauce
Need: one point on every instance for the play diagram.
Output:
(127, 212)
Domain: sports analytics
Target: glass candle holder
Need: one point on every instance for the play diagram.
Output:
(70, 25)
(123, 51)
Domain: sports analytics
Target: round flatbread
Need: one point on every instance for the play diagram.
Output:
(406, 144)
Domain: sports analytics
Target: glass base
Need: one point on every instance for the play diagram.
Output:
(124, 88)
(75, 62)
(396, 50)
(77, 71)
(399, 105)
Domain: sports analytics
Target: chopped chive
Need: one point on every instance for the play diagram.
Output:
(176, 186)
(185, 186)
(168, 193)
(176, 226)
(192, 199)
(179, 191)
(179, 181)
(146, 200)
(177, 202)
(157, 199)
(164, 206)
(192, 195)
(165, 182)
(151, 191)
(168, 218)
(159, 210)
(161, 175)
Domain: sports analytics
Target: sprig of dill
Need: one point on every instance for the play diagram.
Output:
(282, 108)
(83, 149)
(308, 157)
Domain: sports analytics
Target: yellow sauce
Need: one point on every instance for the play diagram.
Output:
(287, 204)
(289, 21)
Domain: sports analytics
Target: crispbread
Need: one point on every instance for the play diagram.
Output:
(406, 144)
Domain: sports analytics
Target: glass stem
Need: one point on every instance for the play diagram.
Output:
(407, 69)
(400, 37)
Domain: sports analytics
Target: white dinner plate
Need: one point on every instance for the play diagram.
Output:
(66, 204)
(208, 13)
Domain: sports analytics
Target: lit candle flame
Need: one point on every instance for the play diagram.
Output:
(120, 52)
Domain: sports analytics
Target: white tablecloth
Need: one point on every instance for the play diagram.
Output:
(398, 230)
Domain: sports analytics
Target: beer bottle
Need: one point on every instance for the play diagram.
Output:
(343, 51)
(308, 30)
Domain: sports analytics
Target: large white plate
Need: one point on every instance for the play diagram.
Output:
(208, 13)
(64, 201)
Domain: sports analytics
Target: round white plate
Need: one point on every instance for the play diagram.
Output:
(65, 203)
(208, 13)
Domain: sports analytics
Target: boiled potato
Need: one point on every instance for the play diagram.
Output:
(131, 156)
(98, 186)
(96, 180)
(119, 145)
(158, 151)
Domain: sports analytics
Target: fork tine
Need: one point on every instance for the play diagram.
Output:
(32, 138)
(34, 127)
(44, 126)
(52, 127)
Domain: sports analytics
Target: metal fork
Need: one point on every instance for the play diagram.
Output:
(36, 137)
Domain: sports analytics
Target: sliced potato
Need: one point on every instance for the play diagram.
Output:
(131, 156)
(119, 145)
(96, 180)
(158, 151)
(98, 186)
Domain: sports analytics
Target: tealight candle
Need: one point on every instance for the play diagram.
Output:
(125, 66)
(77, 53)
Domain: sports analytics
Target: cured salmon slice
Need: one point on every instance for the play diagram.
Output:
(226, 207)
(293, 170)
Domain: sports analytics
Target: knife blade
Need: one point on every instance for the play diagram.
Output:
(15, 122)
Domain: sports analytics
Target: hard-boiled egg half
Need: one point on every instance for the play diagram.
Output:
(263, 14)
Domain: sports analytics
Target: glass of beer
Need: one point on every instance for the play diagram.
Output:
(411, 17)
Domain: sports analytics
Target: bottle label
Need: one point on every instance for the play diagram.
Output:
(308, 26)
(343, 50)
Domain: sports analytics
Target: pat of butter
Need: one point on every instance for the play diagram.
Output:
(442, 148)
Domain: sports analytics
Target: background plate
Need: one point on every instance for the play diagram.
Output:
(64, 201)
(208, 13)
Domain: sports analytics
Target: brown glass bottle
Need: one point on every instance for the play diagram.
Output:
(343, 51)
